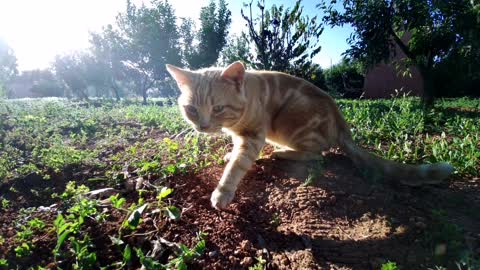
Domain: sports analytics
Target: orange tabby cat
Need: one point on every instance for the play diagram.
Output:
(259, 106)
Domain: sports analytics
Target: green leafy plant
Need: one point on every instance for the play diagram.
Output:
(389, 266)
(260, 265)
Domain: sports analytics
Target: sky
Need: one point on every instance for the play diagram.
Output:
(40, 29)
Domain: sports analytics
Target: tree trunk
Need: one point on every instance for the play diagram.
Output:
(115, 91)
(428, 96)
(144, 95)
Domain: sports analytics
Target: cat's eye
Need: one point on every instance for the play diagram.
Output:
(218, 109)
(190, 109)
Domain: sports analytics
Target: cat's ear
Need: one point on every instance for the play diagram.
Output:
(234, 72)
(182, 76)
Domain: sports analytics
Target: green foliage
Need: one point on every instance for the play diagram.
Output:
(446, 241)
(8, 66)
(426, 32)
(23, 250)
(389, 266)
(59, 156)
(212, 35)
(150, 39)
(117, 202)
(184, 256)
(345, 79)
(396, 129)
(236, 49)
(73, 71)
(284, 39)
(5, 203)
(106, 47)
(260, 265)
(84, 258)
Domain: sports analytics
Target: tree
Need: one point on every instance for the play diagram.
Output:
(107, 50)
(237, 49)
(8, 66)
(284, 39)
(72, 71)
(212, 36)
(433, 30)
(151, 40)
(43, 83)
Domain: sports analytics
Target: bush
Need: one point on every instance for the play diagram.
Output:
(345, 79)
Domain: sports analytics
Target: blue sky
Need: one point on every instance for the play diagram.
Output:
(38, 30)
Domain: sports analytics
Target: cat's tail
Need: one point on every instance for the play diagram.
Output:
(377, 167)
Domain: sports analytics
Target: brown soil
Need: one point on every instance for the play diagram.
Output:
(341, 221)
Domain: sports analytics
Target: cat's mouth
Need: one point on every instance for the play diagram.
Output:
(207, 129)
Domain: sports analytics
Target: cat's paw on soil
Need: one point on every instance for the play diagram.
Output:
(221, 198)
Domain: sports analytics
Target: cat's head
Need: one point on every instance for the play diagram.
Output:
(211, 98)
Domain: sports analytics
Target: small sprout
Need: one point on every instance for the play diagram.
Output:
(164, 192)
(116, 202)
(173, 212)
(115, 240)
(134, 219)
(389, 266)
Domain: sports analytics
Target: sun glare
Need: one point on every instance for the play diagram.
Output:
(37, 30)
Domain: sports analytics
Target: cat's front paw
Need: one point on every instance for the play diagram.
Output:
(227, 157)
(221, 198)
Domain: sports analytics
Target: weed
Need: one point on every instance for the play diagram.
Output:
(446, 240)
(23, 250)
(117, 202)
(260, 265)
(5, 203)
(186, 255)
(276, 220)
(314, 172)
(389, 266)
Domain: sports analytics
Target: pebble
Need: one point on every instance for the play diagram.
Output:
(246, 261)
(212, 253)
(284, 260)
(232, 259)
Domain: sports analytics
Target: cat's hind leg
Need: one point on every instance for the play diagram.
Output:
(296, 155)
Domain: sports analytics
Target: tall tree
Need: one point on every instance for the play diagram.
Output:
(432, 30)
(151, 40)
(106, 48)
(215, 20)
(237, 49)
(284, 39)
(72, 71)
(42, 82)
(8, 66)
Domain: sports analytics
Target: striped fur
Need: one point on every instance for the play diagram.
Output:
(259, 106)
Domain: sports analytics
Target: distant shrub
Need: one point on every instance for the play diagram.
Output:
(345, 79)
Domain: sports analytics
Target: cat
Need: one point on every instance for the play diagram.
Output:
(256, 107)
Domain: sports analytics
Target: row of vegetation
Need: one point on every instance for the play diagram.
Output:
(45, 144)
(128, 57)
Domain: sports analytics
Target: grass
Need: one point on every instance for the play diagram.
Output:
(396, 129)
(56, 138)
